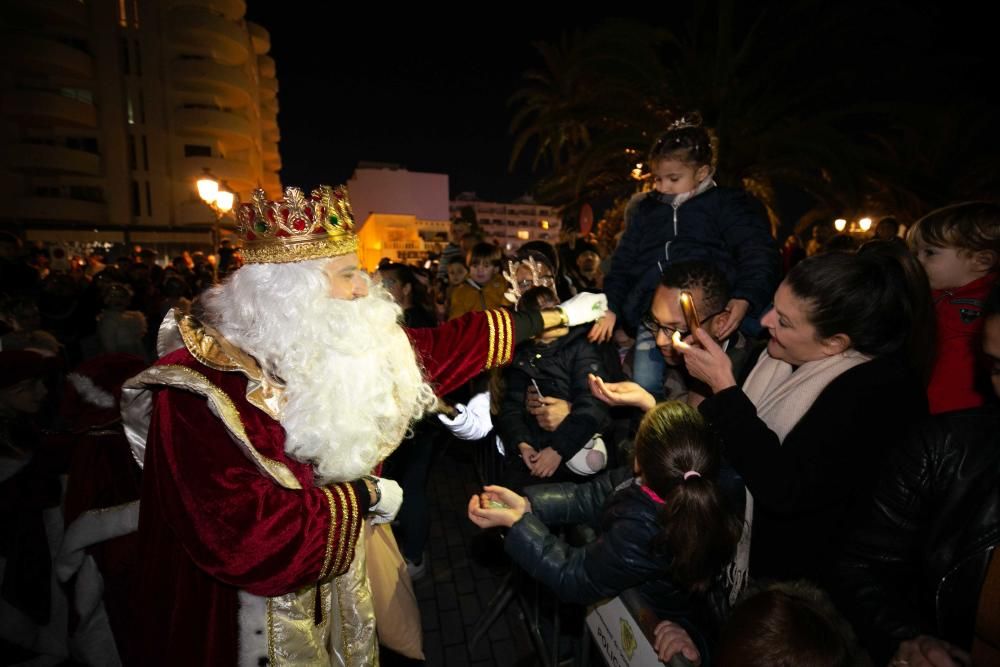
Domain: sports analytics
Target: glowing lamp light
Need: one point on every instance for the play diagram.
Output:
(840, 224)
(865, 224)
(208, 188)
(224, 200)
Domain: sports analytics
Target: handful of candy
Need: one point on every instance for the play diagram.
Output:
(488, 502)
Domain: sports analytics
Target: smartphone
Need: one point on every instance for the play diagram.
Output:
(535, 385)
(690, 312)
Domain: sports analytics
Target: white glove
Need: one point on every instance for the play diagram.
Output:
(584, 307)
(391, 499)
(473, 421)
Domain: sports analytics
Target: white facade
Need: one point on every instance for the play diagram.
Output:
(511, 224)
(111, 109)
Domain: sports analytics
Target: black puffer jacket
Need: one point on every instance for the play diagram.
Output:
(725, 227)
(623, 556)
(560, 369)
(917, 564)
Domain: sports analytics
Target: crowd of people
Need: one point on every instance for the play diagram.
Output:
(789, 455)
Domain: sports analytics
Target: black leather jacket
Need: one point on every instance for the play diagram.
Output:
(622, 558)
(918, 563)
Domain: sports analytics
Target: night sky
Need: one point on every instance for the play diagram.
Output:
(430, 92)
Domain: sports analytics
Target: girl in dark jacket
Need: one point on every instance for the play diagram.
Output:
(665, 531)
(686, 217)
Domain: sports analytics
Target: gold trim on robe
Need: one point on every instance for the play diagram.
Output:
(294, 636)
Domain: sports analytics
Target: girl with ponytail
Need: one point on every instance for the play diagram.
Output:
(665, 529)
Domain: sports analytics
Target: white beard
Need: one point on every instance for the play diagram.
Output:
(353, 385)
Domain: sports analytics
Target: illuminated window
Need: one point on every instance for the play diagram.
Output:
(523, 234)
(545, 224)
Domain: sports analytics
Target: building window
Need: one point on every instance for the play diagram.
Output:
(88, 144)
(46, 191)
(145, 153)
(136, 210)
(138, 58)
(523, 234)
(149, 200)
(126, 61)
(194, 150)
(129, 111)
(544, 224)
(86, 193)
(131, 152)
(78, 94)
(122, 17)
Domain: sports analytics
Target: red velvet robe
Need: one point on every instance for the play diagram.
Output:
(212, 524)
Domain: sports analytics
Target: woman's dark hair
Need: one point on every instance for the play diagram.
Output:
(405, 275)
(787, 623)
(686, 140)
(864, 296)
(700, 529)
(920, 343)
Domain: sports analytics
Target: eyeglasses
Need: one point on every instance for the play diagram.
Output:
(654, 327)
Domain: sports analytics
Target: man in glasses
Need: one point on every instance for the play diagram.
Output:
(710, 291)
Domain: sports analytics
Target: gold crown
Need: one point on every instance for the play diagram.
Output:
(296, 228)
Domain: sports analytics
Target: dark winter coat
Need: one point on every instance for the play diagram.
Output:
(916, 565)
(810, 490)
(560, 369)
(725, 227)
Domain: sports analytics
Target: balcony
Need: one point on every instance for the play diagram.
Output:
(38, 55)
(238, 174)
(208, 76)
(272, 136)
(231, 9)
(42, 159)
(193, 213)
(259, 37)
(196, 31)
(269, 149)
(43, 108)
(230, 128)
(267, 68)
(268, 89)
(272, 163)
(62, 210)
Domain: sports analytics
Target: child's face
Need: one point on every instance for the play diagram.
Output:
(457, 274)
(482, 271)
(947, 268)
(675, 177)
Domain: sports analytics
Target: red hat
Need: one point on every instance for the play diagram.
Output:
(94, 389)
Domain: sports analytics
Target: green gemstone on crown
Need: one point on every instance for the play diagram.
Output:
(334, 220)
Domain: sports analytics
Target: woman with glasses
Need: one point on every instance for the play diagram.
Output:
(829, 396)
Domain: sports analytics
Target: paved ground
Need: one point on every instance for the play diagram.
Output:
(458, 585)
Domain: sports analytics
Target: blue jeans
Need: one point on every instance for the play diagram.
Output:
(648, 365)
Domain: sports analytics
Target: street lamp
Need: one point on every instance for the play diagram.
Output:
(865, 224)
(219, 198)
(840, 224)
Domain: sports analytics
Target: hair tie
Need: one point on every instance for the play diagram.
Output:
(691, 473)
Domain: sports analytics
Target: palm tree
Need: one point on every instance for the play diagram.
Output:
(783, 87)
